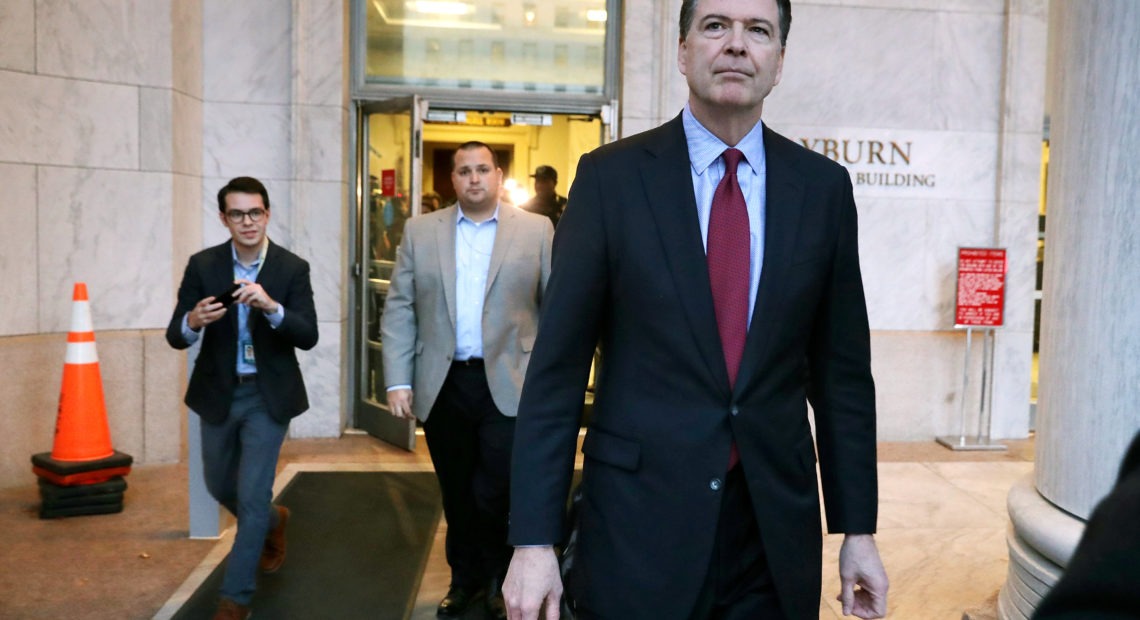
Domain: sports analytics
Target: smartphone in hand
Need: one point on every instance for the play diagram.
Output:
(227, 298)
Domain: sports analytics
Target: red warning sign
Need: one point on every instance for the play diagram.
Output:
(981, 287)
(388, 182)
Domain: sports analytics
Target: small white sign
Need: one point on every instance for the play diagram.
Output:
(542, 120)
(445, 116)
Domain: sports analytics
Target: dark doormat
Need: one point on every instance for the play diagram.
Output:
(357, 546)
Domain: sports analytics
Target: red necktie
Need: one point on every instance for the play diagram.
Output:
(728, 246)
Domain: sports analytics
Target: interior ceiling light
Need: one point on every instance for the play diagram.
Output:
(456, 22)
(596, 15)
(440, 7)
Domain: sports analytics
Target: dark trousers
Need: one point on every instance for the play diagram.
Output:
(470, 444)
(739, 585)
(239, 456)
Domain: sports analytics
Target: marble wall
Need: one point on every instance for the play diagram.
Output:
(958, 86)
(278, 111)
(91, 113)
(1090, 334)
(121, 119)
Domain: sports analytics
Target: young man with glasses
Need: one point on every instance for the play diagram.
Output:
(250, 302)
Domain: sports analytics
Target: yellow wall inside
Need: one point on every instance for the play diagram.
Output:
(558, 145)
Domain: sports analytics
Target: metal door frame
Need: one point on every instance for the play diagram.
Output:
(374, 419)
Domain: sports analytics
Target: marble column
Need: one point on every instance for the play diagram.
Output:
(275, 106)
(1090, 324)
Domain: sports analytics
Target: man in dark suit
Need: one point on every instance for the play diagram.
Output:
(246, 384)
(458, 326)
(1102, 580)
(717, 264)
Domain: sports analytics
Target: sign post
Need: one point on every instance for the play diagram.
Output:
(980, 301)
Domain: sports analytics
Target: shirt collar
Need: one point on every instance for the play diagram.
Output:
(705, 148)
(460, 217)
(260, 255)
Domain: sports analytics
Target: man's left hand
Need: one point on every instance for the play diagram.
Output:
(254, 296)
(863, 589)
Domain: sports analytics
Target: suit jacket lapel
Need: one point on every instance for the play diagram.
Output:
(784, 187)
(445, 243)
(270, 268)
(504, 236)
(667, 179)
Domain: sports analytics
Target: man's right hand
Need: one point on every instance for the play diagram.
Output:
(207, 311)
(533, 583)
(400, 403)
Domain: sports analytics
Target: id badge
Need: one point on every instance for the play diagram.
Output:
(247, 351)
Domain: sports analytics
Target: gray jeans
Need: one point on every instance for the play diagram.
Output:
(240, 460)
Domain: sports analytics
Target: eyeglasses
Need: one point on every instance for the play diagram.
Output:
(236, 217)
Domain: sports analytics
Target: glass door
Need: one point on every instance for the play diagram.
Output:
(390, 135)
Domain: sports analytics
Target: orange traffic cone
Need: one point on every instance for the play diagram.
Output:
(81, 453)
(81, 431)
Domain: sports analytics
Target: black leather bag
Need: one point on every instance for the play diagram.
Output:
(566, 554)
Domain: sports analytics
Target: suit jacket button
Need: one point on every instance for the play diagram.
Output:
(735, 410)
(715, 484)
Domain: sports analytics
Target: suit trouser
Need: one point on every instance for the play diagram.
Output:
(470, 443)
(738, 585)
(239, 457)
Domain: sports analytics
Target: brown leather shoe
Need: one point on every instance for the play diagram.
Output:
(273, 554)
(231, 610)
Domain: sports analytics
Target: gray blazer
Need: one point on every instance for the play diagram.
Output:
(418, 324)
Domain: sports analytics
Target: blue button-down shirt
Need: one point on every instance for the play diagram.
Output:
(705, 150)
(474, 242)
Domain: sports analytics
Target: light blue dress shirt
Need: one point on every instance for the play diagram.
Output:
(474, 242)
(705, 150)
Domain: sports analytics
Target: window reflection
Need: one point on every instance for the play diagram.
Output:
(532, 46)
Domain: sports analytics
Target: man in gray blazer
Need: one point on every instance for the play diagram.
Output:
(458, 326)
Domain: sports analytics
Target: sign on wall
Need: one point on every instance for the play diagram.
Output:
(388, 182)
(981, 287)
(907, 164)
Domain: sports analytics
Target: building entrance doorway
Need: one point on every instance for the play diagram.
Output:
(403, 170)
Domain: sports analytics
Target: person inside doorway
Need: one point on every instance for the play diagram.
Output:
(430, 202)
(396, 215)
(546, 201)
